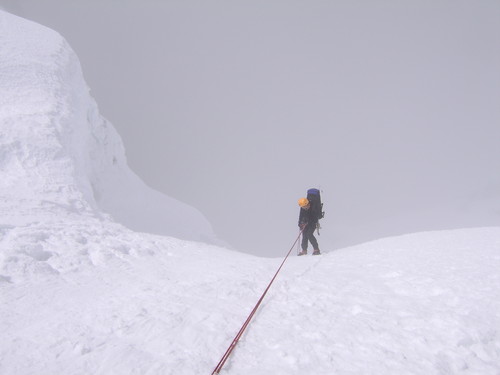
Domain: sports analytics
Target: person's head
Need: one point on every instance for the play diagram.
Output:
(304, 203)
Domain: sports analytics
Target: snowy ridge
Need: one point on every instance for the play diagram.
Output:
(82, 294)
(58, 155)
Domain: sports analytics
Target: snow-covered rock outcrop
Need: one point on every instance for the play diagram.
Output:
(58, 155)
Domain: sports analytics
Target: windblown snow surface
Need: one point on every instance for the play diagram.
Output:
(81, 293)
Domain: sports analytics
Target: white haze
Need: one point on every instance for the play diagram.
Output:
(236, 108)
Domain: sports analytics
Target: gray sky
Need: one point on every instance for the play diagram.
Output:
(237, 107)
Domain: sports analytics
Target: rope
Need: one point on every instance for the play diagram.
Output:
(231, 347)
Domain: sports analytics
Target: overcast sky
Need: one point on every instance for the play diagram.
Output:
(238, 107)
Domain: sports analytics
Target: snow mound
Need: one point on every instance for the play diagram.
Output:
(58, 156)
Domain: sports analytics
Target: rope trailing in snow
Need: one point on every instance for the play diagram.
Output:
(247, 322)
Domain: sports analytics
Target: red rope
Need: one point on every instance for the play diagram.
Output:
(247, 322)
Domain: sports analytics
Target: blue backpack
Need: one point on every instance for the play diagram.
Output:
(314, 195)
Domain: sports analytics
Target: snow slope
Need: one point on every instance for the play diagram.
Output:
(82, 294)
(58, 155)
(128, 303)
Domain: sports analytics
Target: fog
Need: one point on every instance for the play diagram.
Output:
(238, 107)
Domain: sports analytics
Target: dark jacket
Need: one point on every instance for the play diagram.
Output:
(310, 216)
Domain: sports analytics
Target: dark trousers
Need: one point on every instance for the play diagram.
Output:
(308, 236)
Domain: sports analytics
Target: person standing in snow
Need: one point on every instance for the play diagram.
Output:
(308, 221)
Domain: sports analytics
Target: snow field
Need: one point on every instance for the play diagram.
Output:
(111, 301)
(82, 294)
(108, 300)
(420, 304)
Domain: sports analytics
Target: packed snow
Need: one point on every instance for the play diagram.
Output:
(84, 290)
